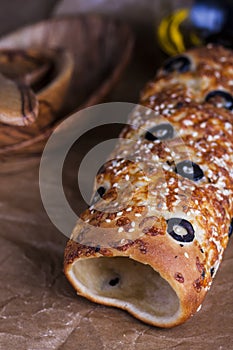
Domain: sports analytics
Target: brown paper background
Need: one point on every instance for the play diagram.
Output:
(38, 307)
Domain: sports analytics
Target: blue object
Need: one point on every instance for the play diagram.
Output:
(209, 16)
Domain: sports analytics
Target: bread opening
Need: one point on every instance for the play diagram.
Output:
(128, 284)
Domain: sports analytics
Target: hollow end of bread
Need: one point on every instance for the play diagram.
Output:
(127, 284)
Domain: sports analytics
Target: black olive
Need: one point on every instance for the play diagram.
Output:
(230, 228)
(179, 105)
(101, 191)
(175, 223)
(212, 271)
(189, 170)
(220, 98)
(179, 64)
(162, 131)
(97, 248)
(99, 194)
(114, 281)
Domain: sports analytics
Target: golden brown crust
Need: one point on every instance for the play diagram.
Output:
(177, 224)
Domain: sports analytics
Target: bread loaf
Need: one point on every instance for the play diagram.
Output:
(156, 255)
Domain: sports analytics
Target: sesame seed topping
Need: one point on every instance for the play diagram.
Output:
(187, 122)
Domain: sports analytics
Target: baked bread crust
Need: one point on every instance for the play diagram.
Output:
(175, 193)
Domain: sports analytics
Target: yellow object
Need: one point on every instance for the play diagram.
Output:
(170, 36)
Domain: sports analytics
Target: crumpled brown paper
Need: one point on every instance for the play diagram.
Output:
(38, 307)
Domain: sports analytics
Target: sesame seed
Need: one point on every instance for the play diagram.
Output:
(187, 122)
(149, 111)
(166, 167)
(228, 126)
(223, 59)
(166, 111)
(171, 181)
(173, 154)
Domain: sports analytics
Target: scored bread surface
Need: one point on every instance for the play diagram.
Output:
(153, 240)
